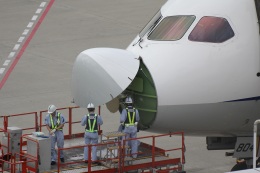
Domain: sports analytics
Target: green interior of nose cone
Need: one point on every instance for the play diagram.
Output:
(144, 96)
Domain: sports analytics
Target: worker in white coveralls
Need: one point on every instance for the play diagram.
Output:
(129, 120)
(54, 122)
(91, 121)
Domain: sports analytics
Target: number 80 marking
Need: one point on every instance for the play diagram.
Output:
(244, 147)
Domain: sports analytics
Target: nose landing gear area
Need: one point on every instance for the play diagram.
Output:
(143, 90)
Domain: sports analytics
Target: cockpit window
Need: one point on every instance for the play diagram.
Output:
(171, 28)
(156, 18)
(212, 29)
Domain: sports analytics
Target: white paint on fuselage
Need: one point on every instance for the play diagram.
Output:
(195, 79)
(214, 119)
(187, 72)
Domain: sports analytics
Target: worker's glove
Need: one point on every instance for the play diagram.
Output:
(52, 132)
(136, 123)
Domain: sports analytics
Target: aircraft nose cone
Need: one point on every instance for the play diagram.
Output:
(101, 74)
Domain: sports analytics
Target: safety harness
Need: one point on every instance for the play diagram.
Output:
(91, 125)
(57, 123)
(131, 118)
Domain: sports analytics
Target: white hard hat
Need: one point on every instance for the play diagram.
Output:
(51, 109)
(90, 105)
(128, 100)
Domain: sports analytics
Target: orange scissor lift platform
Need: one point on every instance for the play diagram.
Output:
(156, 153)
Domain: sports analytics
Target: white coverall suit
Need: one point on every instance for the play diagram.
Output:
(58, 134)
(91, 133)
(129, 117)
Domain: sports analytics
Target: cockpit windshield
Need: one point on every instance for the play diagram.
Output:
(171, 28)
(156, 18)
(212, 29)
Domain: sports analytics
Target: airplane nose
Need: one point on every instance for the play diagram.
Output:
(101, 74)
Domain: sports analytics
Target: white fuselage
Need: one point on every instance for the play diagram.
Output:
(195, 80)
(202, 87)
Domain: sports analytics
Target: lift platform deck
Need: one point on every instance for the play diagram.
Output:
(147, 160)
(112, 151)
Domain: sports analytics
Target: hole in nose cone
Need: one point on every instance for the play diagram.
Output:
(101, 74)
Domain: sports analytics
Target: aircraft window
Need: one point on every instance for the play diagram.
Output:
(212, 29)
(257, 5)
(172, 28)
(156, 18)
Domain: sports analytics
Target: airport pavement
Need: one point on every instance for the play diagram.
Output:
(42, 75)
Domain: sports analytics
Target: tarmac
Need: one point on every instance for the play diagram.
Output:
(45, 46)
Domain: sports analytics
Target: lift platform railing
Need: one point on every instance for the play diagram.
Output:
(6, 119)
(121, 157)
(14, 164)
(2, 145)
(79, 150)
(70, 122)
(38, 121)
(153, 163)
(24, 153)
(156, 152)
